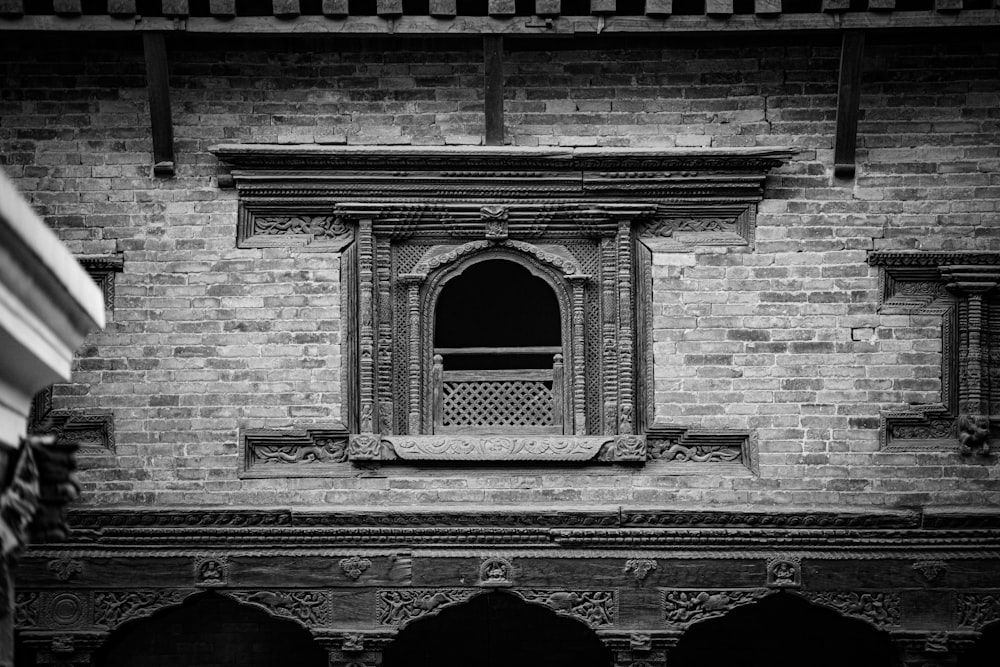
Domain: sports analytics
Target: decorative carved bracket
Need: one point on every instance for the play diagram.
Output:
(961, 288)
(314, 452)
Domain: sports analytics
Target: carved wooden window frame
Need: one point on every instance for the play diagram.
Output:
(361, 201)
(961, 288)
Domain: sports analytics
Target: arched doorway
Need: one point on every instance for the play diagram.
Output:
(984, 652)
(784, 631)
(211, 630)
(496, 630)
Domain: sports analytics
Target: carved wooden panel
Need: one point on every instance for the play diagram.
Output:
(309, 453)
(92, 431)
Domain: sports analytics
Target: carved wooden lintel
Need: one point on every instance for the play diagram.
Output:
(605, 449)
(313, 452)
(961, 287)
(265, 226)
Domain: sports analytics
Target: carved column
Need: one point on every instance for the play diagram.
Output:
(412, 283)
(972, 283)
(626, 419)
(609, 334)
(579, 358)
(366, 333)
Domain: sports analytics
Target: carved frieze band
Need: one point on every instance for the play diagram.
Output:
(686, 607)
(879, 609)
(91, 430)
(399, 606)
(111, 608)
(607, 449)
(960, 287)
(311, 452)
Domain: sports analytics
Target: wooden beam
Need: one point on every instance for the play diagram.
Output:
(493, 80)
(848, 103)
(157, 80)
(427, 26)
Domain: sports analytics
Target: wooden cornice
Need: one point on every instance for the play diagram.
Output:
(13, 18)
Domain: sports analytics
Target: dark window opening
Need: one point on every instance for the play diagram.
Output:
(497, 304)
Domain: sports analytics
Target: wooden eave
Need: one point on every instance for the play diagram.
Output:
(519, 26)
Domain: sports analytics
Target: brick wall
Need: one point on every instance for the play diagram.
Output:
(785, 340)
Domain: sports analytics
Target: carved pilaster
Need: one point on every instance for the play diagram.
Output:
(413, 320)
(972, 283)
(579, 356)
(366, 333)
(609, 333)
(626, 405)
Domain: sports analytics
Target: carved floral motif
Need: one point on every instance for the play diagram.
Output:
(354, 566)
(687, 607)
(65, 568)
(881, 609)
(930, 569)
(640, 567)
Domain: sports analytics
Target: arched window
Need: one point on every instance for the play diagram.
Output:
(498, 363)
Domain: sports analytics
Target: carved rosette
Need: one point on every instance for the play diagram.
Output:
(354, 566)
(65, 568)
(683, 607)
(640, 567)
(879, 609)
(931, 569)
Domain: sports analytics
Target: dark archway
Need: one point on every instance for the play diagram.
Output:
(497, 303)
(211, 631)
(784, 631)
(496, 630)
(984, 652)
